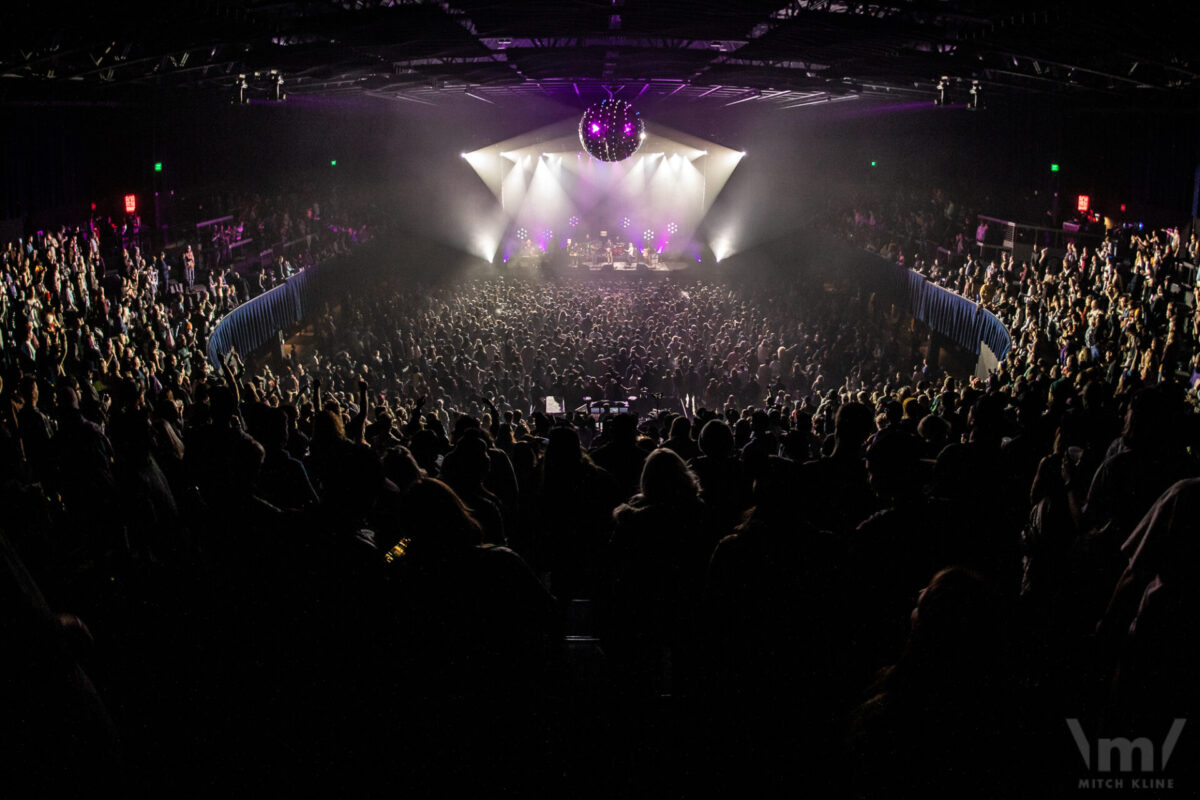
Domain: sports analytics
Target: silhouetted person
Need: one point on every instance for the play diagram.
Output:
(658, 555)
(940, 721)
(724, 486)
(620, 456)
(840, 479)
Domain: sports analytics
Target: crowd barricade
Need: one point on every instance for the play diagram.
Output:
(962, 321)
(256, 322)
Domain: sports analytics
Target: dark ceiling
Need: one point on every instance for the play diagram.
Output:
(769, 52)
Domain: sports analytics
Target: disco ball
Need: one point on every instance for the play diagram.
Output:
(611, 130)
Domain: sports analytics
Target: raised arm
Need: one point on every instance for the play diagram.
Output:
(359, 424)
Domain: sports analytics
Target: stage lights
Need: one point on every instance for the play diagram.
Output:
(722, 249)
(975, 103)
(619, 196)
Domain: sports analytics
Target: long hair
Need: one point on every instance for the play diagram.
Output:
(956, 639)
(436, 520)
(666, 479)
(327, 429)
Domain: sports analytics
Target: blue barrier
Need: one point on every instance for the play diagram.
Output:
(255, 322)
(960, 320)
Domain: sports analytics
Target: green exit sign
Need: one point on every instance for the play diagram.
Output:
(1054, 167)
(158, 166)
(333, 163)
(872, 163)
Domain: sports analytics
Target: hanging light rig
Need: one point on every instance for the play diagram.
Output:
(611, 130)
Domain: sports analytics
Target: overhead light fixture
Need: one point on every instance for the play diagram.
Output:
(975, 103)
(611, 130)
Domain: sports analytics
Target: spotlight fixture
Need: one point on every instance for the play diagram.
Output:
(672, 228)
(647, 235)
(522, 233)
(611, 130)
(975, 103)
(573, 222)
(624, 222)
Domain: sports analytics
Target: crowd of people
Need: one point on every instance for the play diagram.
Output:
(1120, 301)
(803, 560)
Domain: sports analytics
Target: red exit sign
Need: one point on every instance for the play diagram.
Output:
(1084, 203)
(130, 203)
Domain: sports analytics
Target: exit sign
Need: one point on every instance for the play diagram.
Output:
(1084, 202)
